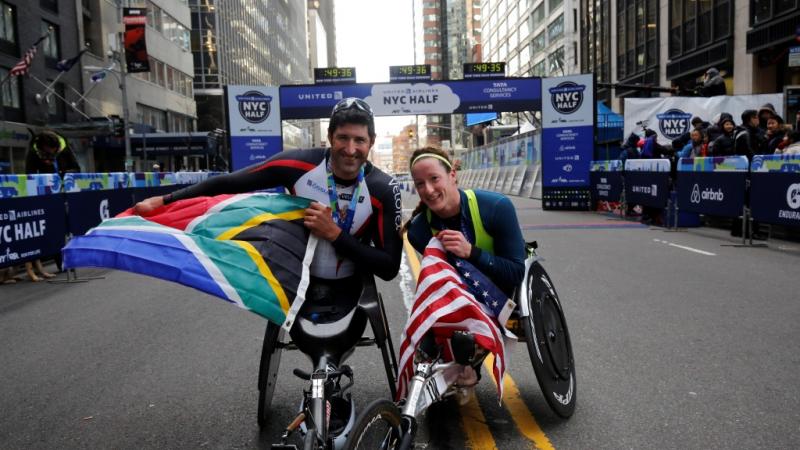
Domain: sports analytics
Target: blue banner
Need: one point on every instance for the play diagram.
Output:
(398, 99)
(88, 208)
(606, 186)
(567, 156)
(647, 188)
(775, 197)
(31, 228)
(253, 150)
(715, 193)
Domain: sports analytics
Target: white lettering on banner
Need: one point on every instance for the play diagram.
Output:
(652, 190)
(104, 209)
(710, 194)
(793, 196)
(29, 230)
(785, 214)
(316, 96)
(5, 233)
(604, 187)
(500, 90)
(8, 256)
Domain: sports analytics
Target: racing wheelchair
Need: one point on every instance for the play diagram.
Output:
(327, 412)
(539, 321)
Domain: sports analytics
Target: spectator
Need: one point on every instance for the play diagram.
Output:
(713, 84)
(715, 130)
(681, 141)
(697, 146)
(50, 153)
(629, 148)
(156, 168)
(792, 147)
(749, 139)
(775, 133)
(765, 112)
(723, 145)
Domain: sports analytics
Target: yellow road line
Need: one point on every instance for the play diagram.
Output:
(522, 416)
(473, 421)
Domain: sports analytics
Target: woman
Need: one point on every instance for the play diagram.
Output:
(696, 146)
(478, 226)
(723, 144)
(775, 133)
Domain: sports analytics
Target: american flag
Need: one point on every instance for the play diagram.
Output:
(444, 304)
(21, 68)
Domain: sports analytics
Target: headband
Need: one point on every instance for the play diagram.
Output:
(432, 155)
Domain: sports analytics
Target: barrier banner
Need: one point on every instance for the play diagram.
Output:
(31, 228)
(26, 185)
(775, 189)
(671, 117)
(254, 123)
(88, 208)
(606, 180)
(714, 185)
(647, 182)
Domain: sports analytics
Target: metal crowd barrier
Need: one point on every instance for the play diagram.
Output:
(38, 212)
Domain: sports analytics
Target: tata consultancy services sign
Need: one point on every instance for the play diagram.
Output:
(254, 124)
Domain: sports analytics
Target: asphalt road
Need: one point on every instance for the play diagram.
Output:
(680, 342)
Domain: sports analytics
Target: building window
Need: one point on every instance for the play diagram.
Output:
(764, 10)
(7, 33)
(637, 40)
(555, 61)
(50, 46)
(10, 90)
(538, 69)
(555, 4)
(537, 17)
(556, 28)
(697, 24)
(50, 5)
(538, 43)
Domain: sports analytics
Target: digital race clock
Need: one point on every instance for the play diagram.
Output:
(419, 72)
(334, 75)
(484, 70)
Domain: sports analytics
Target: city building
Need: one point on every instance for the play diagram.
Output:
(403, 146)
(42, 98)
(382, 153)
(240, 42)
(158, 101)
(666, 44)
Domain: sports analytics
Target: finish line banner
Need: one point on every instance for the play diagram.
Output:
(254, 124)
(400, 99)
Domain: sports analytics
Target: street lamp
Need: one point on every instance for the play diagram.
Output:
(121, 81)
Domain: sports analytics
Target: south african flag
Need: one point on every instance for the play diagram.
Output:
(248, 249)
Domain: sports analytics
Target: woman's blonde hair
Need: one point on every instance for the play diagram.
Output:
(419, 154)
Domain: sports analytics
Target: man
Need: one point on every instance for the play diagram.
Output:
(357, 210)
(749, 140)
(713, 84)
(50, 153)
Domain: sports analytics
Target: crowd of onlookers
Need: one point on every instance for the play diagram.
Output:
(760, 132)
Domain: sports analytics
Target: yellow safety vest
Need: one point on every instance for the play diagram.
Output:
(483, 240)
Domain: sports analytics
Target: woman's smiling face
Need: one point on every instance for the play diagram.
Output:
(436, 186)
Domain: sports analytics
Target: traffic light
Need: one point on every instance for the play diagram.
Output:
(411, 133)
(117, 126)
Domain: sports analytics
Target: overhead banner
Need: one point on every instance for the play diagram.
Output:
(254, 123)
(400, 99)
(670, 117)
(568, 130)
(135, 20)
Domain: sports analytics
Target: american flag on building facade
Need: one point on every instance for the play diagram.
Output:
(444, 304)
(24, 64)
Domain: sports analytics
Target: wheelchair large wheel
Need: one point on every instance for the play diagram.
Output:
(378, 427)
(549, 344)
(268, 370)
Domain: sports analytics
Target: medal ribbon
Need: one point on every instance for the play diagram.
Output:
(343, 220)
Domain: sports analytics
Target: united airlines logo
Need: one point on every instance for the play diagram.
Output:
(567, 97)
(673, 123)
(254, 106)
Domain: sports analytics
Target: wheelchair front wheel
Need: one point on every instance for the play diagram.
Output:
(549, 344)
(268, 370)
(377, 427)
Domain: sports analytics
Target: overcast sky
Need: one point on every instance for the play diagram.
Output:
(372, 35)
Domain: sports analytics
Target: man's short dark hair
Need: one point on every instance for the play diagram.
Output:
(47, 139)
(352, 111)
(696, 120)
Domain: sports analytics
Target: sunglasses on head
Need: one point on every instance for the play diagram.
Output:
(352, 103)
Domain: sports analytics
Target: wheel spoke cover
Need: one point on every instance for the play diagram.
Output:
(549, 343)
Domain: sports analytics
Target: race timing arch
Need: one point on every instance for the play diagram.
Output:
(567, 105)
